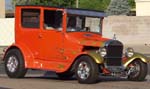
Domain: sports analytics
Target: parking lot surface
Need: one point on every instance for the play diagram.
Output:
(36, 79)
(40, 80)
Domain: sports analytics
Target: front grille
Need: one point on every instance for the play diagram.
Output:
(114, 53)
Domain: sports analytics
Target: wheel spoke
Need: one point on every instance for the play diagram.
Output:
(12, 63)
(83, 70)
(135, 69)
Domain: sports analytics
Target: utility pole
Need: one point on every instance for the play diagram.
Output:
(77, 3)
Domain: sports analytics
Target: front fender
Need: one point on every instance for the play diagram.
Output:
(135, 57)
(97, 58)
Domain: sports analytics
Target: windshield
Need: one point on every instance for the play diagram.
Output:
(76, 23)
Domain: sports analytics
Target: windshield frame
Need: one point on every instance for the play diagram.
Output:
(83, 12)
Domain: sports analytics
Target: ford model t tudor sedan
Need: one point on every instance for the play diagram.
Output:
(69, 42)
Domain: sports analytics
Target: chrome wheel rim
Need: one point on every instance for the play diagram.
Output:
(83, 70)
(135, 69)
(12, 64)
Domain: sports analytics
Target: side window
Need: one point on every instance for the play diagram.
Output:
(52, 20)
(30, 18)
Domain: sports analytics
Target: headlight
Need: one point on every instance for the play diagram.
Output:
(129, 52)
(102, 52)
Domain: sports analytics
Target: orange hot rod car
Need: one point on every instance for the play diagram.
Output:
(68, 41)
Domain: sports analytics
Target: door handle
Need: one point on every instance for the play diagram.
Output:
(40, 36)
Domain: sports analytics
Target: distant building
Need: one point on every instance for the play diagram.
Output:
(142, 7)
(2, 9)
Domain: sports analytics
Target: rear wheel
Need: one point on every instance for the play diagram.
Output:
(86, 70)
(14, 64)
(138, 70)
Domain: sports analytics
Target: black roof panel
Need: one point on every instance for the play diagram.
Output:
(91, 13)
(78, 11)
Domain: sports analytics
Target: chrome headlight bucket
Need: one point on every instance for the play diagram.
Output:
(102, 52)
(129, 52)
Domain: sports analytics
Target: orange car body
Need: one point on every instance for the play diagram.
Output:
(69, 42)
(51, 49)
(54, 49)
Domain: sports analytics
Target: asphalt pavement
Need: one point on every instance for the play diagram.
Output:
(38, 79)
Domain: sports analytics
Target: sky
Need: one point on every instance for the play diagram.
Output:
(8, 4)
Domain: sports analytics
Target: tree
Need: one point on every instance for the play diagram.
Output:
(61, 3)
(18, 2)
(132, 3)
(94, 4)
(86, 4)
(118, 7)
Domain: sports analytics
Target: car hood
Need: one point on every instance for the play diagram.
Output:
(86, 38)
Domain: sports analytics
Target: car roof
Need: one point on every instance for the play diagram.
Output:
(85, 12)
(76, 11)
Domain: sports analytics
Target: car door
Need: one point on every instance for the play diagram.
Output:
(30, 29)
(51, 37)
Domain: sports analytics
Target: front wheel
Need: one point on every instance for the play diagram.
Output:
(14, 64)
(138, 70)
(86, 70)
